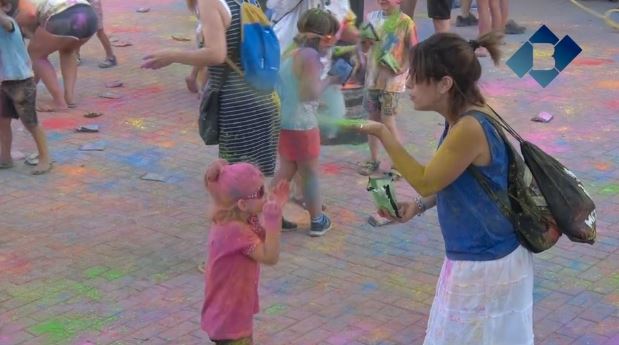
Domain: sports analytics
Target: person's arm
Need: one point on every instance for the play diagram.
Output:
(267, 252)
(214, 26)
(460, 148)
(308, 70)
(6, 23)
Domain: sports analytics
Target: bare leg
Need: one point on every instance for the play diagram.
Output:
(106, 44)
(465, 7)
(311, 186)
(485, 20)
(287, 170)
(41, 141)
(41, 45)
(68, 68)
(373, 142)
(190, 80)
(408, 7)
(495, 13)
(441, 25)
(6, 139)
(504, 12)
(389, 122)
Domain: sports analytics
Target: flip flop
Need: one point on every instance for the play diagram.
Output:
(113, 84)
(37, 172)
(93, 114)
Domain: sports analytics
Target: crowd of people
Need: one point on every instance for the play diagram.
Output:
(269, 143)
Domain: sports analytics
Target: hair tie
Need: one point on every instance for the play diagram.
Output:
(474, 44)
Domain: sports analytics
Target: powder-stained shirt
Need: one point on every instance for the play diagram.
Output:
(397, 34)
(14, 59)
(231, 280)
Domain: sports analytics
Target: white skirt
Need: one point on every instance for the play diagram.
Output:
(484, 302)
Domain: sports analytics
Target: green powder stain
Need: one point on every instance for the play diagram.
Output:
(113, 274)
(275, 309)
(50, 293)
(612, 189)
(95, 271)
(159, 277)
(62, 330)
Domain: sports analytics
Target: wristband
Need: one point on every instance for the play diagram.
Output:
(421, 207)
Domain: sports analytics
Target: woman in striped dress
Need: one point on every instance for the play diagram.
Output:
(248, 119)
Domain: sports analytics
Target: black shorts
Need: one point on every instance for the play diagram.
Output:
(79, 21)
(18, 100)
(439, 9)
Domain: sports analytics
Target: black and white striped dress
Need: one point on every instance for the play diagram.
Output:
(248, 119)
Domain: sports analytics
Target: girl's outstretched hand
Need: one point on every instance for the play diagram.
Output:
(407, 211)
(281, 192)
(271, 216)
(158, 60)
(370, 127)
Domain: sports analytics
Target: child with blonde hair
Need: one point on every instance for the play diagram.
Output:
(245, 232)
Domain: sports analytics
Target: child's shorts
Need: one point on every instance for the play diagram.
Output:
(382, 102)
(96, 5)
(18, 100)
(243, 341)
(439, 9)
(299, 145)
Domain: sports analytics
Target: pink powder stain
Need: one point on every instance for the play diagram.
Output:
(14, 264)
(592, 62)
(608, 84)
(331, 169)
(147, 91)
(613, 105)
(118, 28)
(495, 89)
(59, 123)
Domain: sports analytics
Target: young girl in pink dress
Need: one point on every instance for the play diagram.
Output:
(245, 232)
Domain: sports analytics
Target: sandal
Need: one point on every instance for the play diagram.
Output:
(108, 62)
(368, 168)
(37, 172)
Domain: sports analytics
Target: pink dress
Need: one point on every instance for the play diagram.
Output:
(231, 280)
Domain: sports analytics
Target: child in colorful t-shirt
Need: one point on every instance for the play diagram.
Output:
(386, 71)
(245, 232)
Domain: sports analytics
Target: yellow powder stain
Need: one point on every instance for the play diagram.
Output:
(136, 123)
(608, 84)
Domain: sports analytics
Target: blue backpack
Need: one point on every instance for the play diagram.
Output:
(260, 55)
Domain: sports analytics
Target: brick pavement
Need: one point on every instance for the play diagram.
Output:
(91, 254)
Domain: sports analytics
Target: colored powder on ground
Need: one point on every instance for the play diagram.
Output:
(275, 309)
(62, 330)
(60, 123)
(608, 84)
(611, 189)
(592, 62)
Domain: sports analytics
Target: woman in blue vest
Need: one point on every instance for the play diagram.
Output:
(485, 290)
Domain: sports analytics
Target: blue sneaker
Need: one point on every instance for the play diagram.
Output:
(321, 227)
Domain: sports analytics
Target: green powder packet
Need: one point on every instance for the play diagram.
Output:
(383, 192)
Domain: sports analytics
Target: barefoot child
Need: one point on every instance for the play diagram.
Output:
(301, 89)
(17, 90)
(386, 72)
(245, 232)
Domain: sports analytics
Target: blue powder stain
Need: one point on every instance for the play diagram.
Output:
(148, 159)
(103, 186)
(369, 287)
(67, 156)
(55, 136)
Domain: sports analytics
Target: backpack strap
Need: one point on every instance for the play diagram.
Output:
(502, 200)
